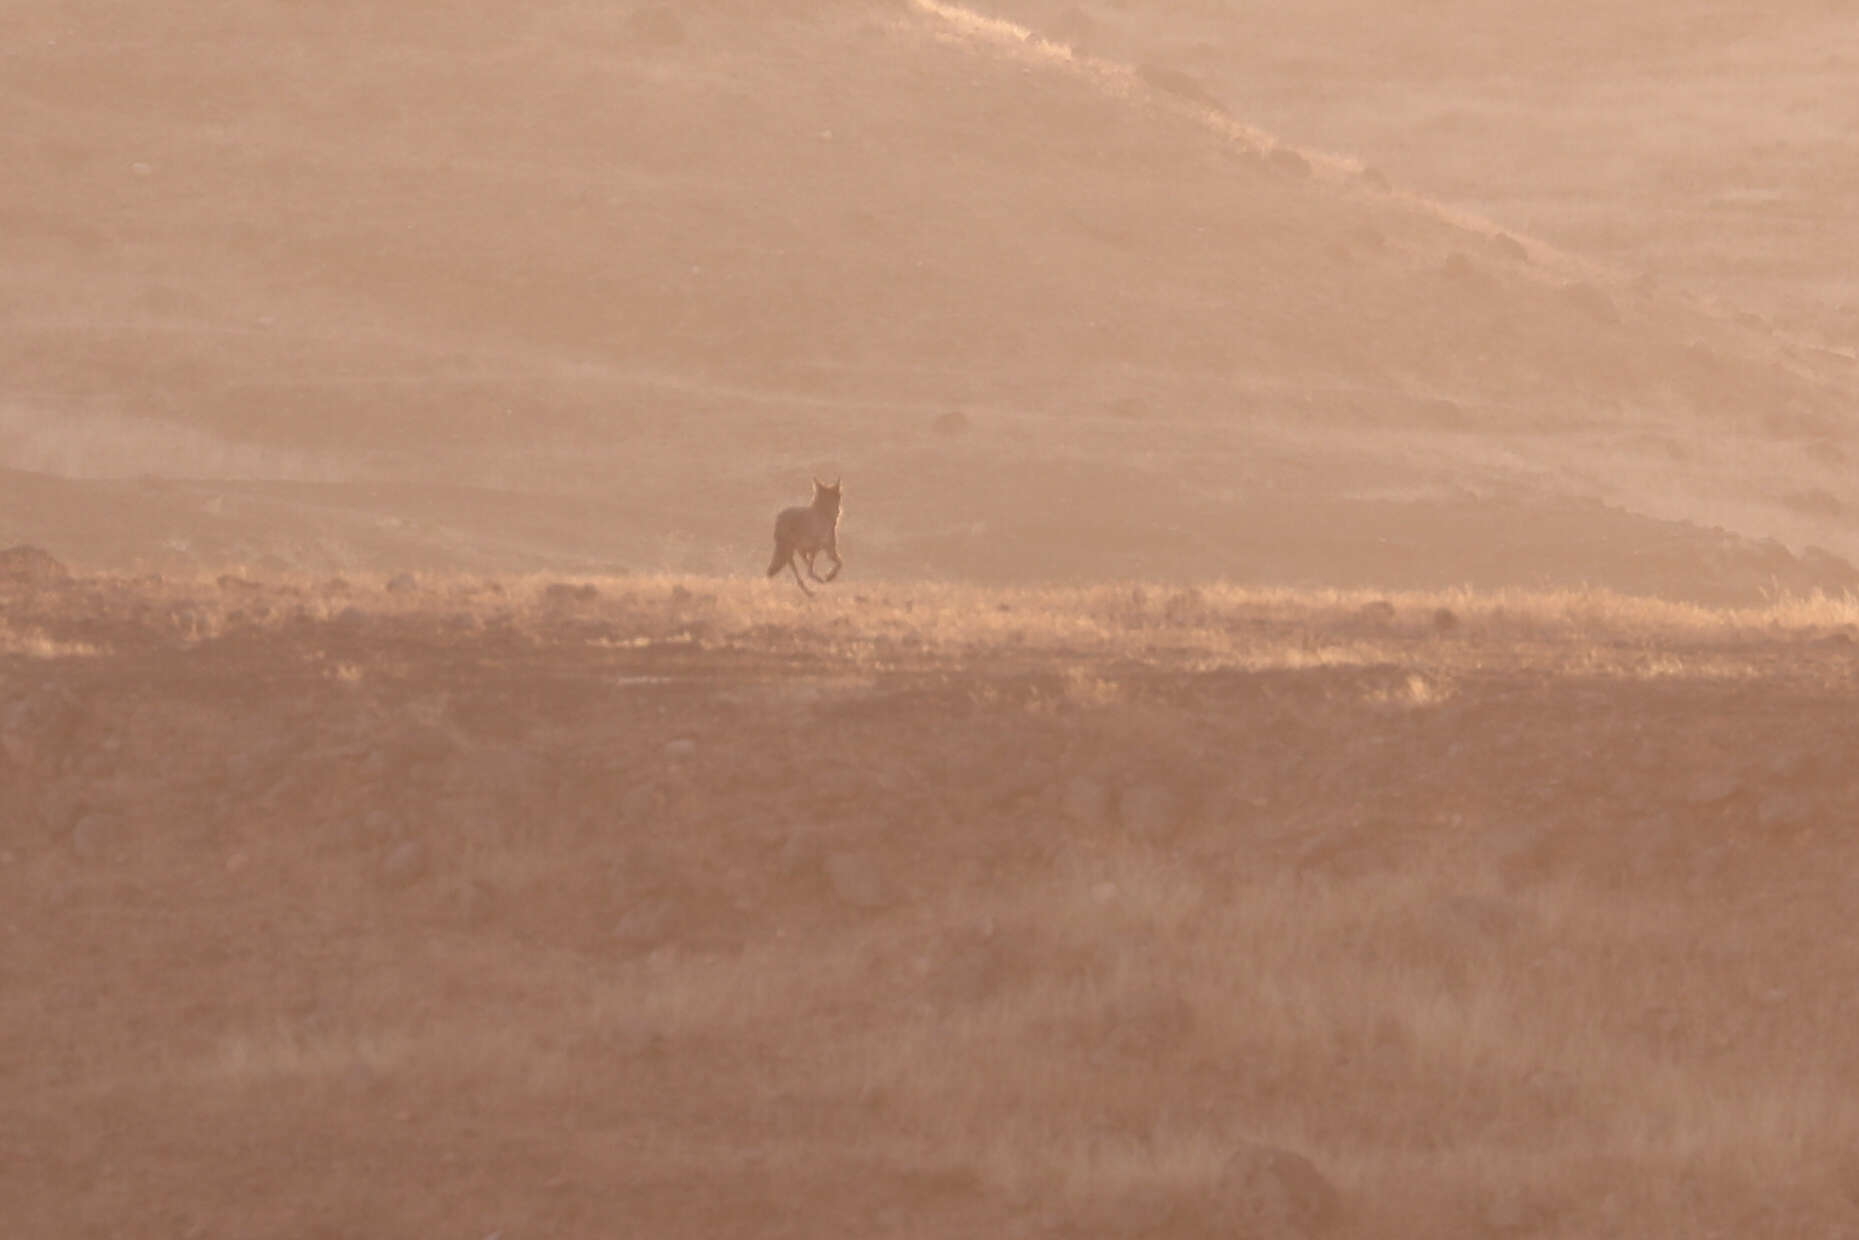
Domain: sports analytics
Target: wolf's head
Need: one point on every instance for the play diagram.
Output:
(826, 498)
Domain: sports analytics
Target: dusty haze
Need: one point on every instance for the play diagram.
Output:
(1338, 718)
(596, 287)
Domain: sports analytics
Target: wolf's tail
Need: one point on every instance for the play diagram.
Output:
(780, 561)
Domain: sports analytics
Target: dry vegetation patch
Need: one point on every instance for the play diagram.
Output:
(692, 907)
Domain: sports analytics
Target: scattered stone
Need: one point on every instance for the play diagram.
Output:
(1445, 620)
(25, 565)
(1508, 246)
(1181, 85)
(405, 864)
(1265, 1190)
(953, 422)
(683, 749)
(402, 583)
(1085, 800)
(1288, 161)
(856, 880)
(1460, 269)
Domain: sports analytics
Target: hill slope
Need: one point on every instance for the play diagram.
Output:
(573, 286)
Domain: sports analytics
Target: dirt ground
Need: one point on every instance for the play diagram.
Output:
(1338, 719)
(691, 908)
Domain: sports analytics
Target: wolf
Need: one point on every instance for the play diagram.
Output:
(805, 532)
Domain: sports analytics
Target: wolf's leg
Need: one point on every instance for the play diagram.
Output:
(811, 572)
(837, 563)
(797, 581)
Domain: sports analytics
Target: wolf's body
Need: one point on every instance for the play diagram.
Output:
(805, 532)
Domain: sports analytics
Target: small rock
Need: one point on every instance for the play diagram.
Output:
(402, 583)
(1266, 1190)
(856, 880)
(1181, 85)
(953, 422)
(1459, 269)
(1375, 179)
(1509, 247)
(31, 566)
(682, 749)
(1288, 161)
(1445, 620)
(405, 864)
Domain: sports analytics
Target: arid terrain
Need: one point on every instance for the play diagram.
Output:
(573, 287)
(1338, 719)
(677, 908)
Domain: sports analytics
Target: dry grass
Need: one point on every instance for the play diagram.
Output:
(1457, 913)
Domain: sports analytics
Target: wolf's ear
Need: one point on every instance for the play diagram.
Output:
(818, 483)
(836, 482)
